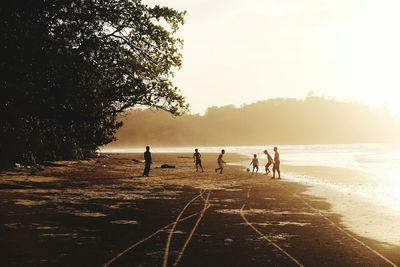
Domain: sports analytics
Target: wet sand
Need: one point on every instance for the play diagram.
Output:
(102, 212)
(353, 195)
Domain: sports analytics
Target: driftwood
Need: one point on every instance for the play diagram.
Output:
(167, 166)
(53, 164)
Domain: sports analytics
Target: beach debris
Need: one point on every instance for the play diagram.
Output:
(54, 164)
(36, 168)
(17, 165)
(124, 222)
(167, 166)
(228, 241)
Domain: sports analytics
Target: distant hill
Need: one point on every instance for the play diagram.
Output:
(314, 120)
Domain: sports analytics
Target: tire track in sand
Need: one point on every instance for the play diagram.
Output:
(179, 219)
(203, 211)
(172, 230)
(264, 236)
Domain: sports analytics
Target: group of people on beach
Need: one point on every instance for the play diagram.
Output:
(197, 160)
(274, 162)
(254, 162)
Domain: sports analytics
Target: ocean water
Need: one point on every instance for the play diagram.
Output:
(373, 169)
(360, 181)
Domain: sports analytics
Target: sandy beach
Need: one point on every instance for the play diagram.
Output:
(101, 212)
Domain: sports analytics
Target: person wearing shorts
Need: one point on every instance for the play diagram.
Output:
(276, 166)
(220, 161)
(270, 161)
(197, 160)
(255, 164)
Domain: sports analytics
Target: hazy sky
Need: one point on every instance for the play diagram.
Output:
(239, 51)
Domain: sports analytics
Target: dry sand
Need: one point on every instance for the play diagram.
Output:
(99, 211)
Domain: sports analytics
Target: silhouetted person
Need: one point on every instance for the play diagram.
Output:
(197, 160)
(255, 164)
(220, 161)
(147, 161)
(277, 162)
(270, 161)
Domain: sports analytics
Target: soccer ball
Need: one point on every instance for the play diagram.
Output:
(247, 169)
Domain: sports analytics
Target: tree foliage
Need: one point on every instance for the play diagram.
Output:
(68, 68)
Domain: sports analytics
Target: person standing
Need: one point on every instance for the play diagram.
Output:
(277, 162)
(270, 161)
(197, 160)
(220, 161)
(147, 161)
(255, 164)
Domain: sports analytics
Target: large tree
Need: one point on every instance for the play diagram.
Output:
(68, 68)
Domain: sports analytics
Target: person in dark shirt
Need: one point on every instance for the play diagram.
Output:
(147, 161)
(197, 160)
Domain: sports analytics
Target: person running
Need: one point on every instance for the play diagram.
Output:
(270, 161)
(197, 160)
(220, 161)
(277, 162)
(255, 164)
(147, 161)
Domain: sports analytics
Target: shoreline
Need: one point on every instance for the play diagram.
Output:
(360, 213)
(373, 218)
(363, 215)
(102, 205)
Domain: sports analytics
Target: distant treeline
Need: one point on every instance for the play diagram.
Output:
(274, 121)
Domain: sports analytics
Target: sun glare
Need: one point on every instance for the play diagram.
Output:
(368, 55)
